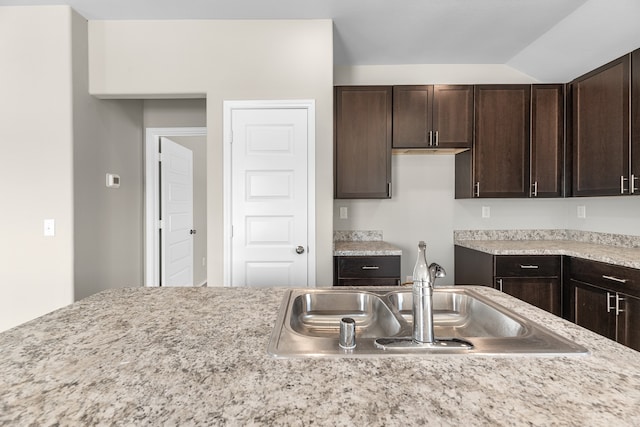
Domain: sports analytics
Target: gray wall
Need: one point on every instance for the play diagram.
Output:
(108, 248)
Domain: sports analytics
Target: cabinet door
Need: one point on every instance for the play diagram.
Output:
(589, 306)
(363, 142)
(453, 116)
(547, 140)
(629, 322)
(635, 118)
(601, 130)
(501, 151)
(412, 118)
(544, 292)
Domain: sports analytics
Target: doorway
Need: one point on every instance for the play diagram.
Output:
(175, 207)
(269, 193)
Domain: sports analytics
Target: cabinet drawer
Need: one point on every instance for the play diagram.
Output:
(370, 266)
(528, 266)
(608, 276)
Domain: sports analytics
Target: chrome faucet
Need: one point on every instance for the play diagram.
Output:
(424, 278)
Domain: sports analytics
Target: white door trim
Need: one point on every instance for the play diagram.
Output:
(152, 197)
(310, 105)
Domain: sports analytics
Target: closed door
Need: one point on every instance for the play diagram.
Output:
(269, 197)
(176, 185)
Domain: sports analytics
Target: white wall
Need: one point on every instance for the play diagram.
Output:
(36, 177)
(576, 44)
(423, 205)
(226, 60)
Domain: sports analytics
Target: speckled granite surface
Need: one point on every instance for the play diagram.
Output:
(372, 248)
(197, 356)
(611, 248)
(357, 235)
(362, 243)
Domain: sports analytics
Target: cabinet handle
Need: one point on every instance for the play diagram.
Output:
(618, 309)
(476, 190)
(622, 180)
(528, 267)
(633, 184)
(535, 189)
(370, 267)
(389, 189)
(430, 138)
(609, 307)
(615, 279)
(437, 138)
(499, 281)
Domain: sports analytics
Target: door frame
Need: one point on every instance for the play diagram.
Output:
(152, 196)
(310, 106)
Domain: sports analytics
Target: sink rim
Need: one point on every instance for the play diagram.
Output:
(536, 340)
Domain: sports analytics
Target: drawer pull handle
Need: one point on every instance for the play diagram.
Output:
(528, 267)
(615, 279)
(370, 267)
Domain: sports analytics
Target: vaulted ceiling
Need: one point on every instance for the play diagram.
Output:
(551, 40)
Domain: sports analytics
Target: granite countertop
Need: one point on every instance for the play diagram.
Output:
(197, 356)
(610, 248)
(362, 243)
(365, 248)
(628, 257)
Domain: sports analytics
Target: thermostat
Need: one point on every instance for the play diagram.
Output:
(113, 180)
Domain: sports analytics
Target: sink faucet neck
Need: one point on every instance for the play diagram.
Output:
(424, 276)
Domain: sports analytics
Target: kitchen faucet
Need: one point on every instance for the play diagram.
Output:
(423, 283)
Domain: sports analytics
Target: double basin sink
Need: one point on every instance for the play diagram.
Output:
(308, 324)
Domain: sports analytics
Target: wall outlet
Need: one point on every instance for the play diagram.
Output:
(486, 212)
(344, 212)
(582, 211)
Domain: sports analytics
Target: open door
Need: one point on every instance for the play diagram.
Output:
(176, 208)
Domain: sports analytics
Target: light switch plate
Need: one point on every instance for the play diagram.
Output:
(344, 212)
(486, 212)
(49, 227)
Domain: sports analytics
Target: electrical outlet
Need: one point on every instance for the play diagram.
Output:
(344, 212)
(486, 212)
(582, 211)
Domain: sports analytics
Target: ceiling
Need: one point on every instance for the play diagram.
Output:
(387, 32)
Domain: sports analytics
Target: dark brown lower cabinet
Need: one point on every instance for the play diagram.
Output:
(366, 271)
(605, 299)
(536, 279)
(544, 293)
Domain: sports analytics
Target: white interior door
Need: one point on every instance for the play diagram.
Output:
(176, 207)
(269, 244)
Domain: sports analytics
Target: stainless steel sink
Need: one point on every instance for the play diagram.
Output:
(318, 314)
(308, 324)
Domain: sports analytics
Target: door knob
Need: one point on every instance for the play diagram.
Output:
(300, 250)
(192, 231)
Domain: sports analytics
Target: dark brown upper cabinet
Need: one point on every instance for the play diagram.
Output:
(605, 158)
(498, 165)
(362, 142)
(519, 143)
(547, 140)
(430, 116)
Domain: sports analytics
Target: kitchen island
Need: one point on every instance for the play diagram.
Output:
(184, 356)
